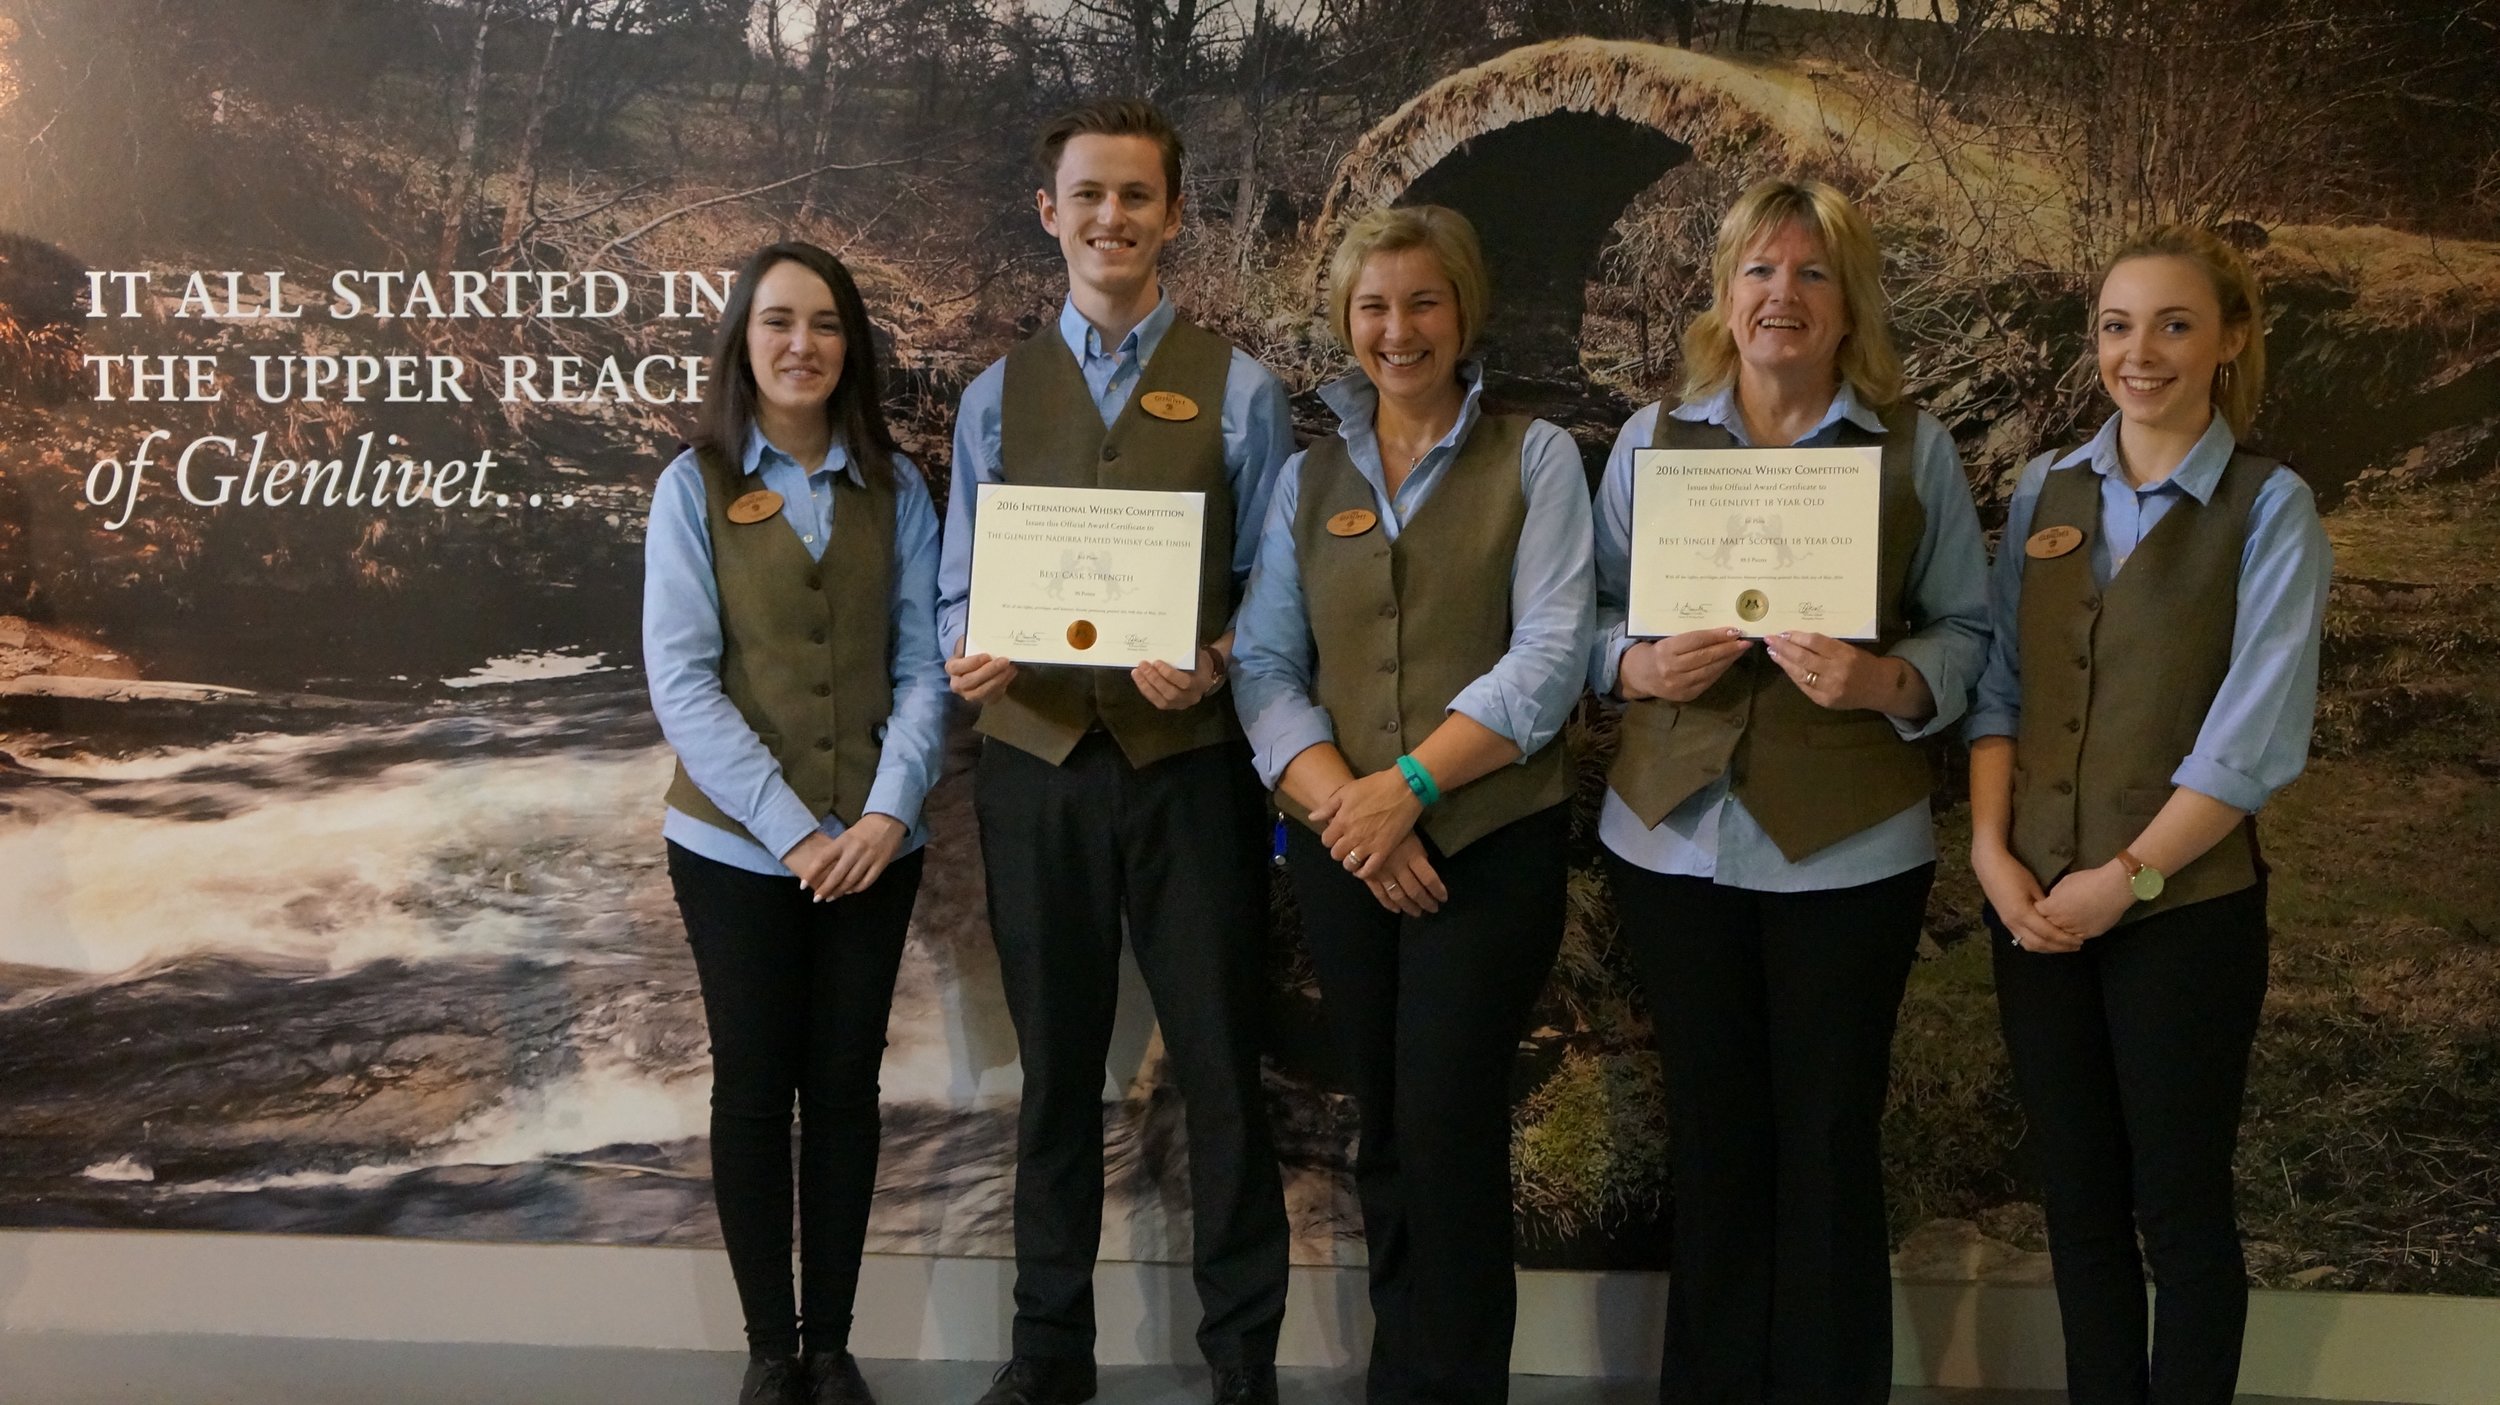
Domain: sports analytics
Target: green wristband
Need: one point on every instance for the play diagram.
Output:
(1419, 781)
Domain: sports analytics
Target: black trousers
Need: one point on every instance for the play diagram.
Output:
(1425, 1013)
(1176, 851)
(795, 994)
(1774, 1016)
(2131, 1056)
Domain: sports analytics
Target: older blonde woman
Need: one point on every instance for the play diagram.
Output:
(1409, 649)
(1767, 822)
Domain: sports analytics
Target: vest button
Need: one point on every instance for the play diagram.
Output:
(2064, 787)
(1389, 726)
(824, 690)
(1388, 665)
(1110, 452)
(824, 743)
(815, 636)
(2092, 604)
(1389, 612)
(814, 581)
(2083, 660)
(2074, 724)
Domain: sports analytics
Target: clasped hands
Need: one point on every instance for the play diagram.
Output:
(1833, 672)
(831, 867)
(1368, 825)
(983, 678)
(2083, 905)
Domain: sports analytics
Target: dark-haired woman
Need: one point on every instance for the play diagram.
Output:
(790, 638)
(2158, 602)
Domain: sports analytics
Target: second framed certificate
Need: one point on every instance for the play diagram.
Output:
(1106, 577)
(1762, 539)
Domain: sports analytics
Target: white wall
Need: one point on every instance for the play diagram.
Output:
(2334, 1346)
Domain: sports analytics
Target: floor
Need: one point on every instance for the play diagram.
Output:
(65, 1369)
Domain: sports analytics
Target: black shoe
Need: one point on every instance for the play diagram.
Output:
(773, 1380)
(834, 1379)
(1042, 1380)
(1245, 1385)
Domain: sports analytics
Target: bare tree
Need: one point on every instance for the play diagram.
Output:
(831, 16)
(522, 211)
(460, 181)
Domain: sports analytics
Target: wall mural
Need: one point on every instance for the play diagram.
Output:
(341, 343)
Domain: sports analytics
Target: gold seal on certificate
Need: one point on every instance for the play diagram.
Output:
(1762, 539)
(1100, 576)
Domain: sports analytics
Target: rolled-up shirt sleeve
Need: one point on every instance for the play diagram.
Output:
(2255, 737)
(1609, 635)
(1948, 607)
(1997, 704)
(681, 657)
(1528, 694)
(915, 733)
(1273, 652)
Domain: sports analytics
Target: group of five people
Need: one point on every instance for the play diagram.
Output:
(1405, 614)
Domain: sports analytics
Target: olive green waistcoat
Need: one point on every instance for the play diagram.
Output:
(1051, 435)
(806, 645)
(2094, 752)
(1809, 776)
(1401, 628)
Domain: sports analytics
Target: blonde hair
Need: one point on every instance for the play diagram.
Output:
(2241, 381)
(1867, 358)
(1394, 229)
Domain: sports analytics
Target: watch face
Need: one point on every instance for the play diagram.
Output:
(2146, 884)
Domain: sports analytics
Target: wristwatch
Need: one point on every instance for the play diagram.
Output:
(2143, 880)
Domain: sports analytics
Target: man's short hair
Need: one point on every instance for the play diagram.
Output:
(1110, 117)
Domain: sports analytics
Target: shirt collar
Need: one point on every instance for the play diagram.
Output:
(1085, 342)
(760, 454)
(2197, 475)
(1357, 404)
(1720, 408)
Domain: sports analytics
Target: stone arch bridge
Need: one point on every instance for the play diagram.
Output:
(1544, 146)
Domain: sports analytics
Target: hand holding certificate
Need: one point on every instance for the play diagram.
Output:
(1103, 577)
(1763, 539)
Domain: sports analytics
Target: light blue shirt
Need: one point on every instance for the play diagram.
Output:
(1712, 835)
(2255, 737)
(681, 655)
(1257, 426)
(1527, 695)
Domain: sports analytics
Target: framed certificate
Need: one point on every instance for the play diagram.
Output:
(1761, 539)
(1104, 577)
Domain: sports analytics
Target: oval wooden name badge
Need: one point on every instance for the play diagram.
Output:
(755, 507)
(1168, 405)
(1353, 522)
(2051, 542)
(1081, 635)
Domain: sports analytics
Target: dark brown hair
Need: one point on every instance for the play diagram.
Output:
(1110, 117)
(855, 411)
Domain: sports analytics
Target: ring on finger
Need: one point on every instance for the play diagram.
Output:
(1813, 678)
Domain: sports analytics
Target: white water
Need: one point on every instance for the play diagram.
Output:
(534, 667)
(607, 1104)
(427, 858)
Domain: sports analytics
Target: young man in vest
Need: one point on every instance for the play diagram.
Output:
(1115, 800)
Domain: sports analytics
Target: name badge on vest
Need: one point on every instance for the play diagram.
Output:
(1168, 405)
(755, 507)
(2051, 542)
(1353, 522)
